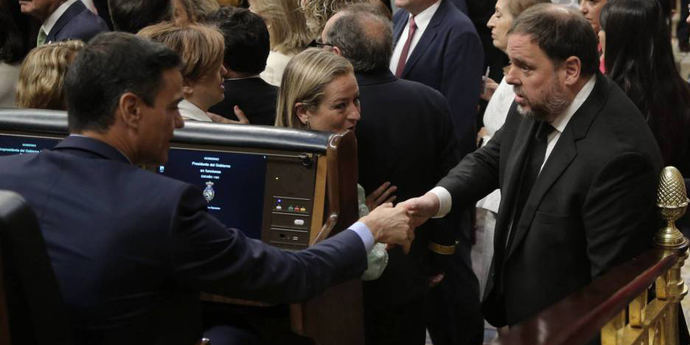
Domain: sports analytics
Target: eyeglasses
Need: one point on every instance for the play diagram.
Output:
(318, 43)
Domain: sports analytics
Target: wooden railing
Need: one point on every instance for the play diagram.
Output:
(636, 303)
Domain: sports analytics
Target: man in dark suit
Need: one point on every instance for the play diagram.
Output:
(131, 249)
(246, 50)
(63, 20)
(576, 163)
(394, 111)
(443, 52)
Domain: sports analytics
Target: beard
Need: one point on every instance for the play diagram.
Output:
(555, 102)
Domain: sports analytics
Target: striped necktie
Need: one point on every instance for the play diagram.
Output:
(41, 39)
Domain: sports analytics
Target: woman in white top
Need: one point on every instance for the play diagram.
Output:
(287, 29)
(201, 49)
(500, 97)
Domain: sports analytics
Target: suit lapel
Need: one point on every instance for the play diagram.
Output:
(400, 26)
(427, 38)
(560, 158)
(65, 18)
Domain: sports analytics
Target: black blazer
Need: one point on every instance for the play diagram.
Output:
(449, 58)
(77, 23)
(591, 207)
(405, 136)
(132, 249)
(254, 96)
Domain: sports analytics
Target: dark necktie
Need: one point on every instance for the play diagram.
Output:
(530, 172)
(406, 48)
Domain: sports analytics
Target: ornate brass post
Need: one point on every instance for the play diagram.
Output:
(656, 322)
(672, 200)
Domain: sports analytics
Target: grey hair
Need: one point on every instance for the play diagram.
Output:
(363, 36)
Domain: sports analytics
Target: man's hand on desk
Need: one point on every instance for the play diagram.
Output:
(390, 225)
(421, 208)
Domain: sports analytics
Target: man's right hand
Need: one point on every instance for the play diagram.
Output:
(421, 208)
(390, 225)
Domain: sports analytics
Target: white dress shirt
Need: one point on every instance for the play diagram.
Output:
(422, 20)
(559, 124)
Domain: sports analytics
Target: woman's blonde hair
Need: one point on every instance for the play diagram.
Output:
(304, 81)
(286, 25)
(200, 47)
(317, 12)
(42, 75)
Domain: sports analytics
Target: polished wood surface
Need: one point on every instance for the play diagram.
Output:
(580, 317)
(336, 316)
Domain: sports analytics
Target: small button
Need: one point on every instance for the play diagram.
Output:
(299, 222)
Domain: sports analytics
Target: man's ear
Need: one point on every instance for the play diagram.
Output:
(301, 112)
(337, 51)
(573, 68)
(130, 109)
(187, 88)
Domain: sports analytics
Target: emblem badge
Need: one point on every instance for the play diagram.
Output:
(209, 193)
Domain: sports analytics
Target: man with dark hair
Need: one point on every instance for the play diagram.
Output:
(246, 49)
(134, 15)
(437, 45)
(397, 305)
(132, 249)
(63, 20)
(576, 164)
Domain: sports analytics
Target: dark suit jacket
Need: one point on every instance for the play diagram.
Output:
(591, 207)
(254, 96)
(131, 249)
(393, 112)
(77, 23)
(449, 58)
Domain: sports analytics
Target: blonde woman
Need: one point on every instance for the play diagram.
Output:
(320, 92)
(288, 32)
(201, 49)
(42, 74)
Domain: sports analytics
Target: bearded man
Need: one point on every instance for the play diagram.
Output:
(576, 164)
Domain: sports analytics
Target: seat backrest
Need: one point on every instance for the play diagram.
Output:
(30, 301)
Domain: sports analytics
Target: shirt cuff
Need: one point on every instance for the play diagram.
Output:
(445, 201)
(362, 230)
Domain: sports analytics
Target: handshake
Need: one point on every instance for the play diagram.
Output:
(395, 225)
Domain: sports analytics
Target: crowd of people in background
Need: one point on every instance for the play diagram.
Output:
(423, 83)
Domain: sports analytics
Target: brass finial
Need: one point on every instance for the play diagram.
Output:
(672, 199)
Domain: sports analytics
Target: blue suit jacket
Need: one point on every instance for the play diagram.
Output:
(449, 58)
(131, 249)
(77, 23)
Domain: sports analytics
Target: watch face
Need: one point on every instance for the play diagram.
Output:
(209, 193)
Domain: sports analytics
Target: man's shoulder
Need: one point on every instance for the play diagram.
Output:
(404, 92)
(618, 126)
(454, 19)
(81, 24)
